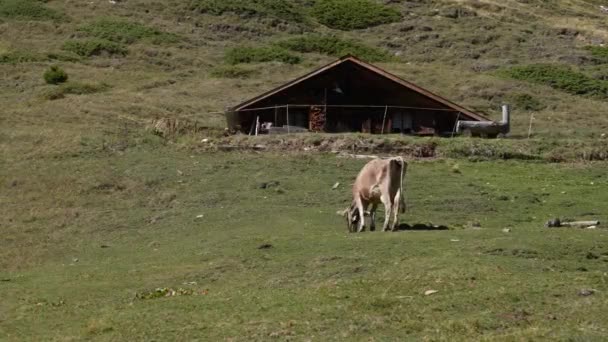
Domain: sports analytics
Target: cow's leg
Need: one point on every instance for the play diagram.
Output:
(396, 204)
(361, 207)
(386, 200)
(372, 225)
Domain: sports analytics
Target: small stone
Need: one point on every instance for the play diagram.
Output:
(335, 186)
(206, 140)
(199, 216)
(586, 292)
(506, 230)
(430, 292)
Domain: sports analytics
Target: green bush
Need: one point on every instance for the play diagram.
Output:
(599, 52)
(559, 77)
(244, 54)
(334, 46)
(121, 31)
(526, 102)
(55, 75)
(15, 57)
(74, 89)
(94, 47)
(284, 10)
(353, 14)
(232, 71)
(27, 9)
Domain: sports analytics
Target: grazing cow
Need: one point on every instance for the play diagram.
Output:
(380, 181)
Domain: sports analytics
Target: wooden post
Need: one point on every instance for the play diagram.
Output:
(287, 118)
(257, 125)
(276, 116)
(530, 128)
(384, 119)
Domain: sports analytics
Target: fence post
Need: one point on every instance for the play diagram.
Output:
(384, 119)
(288, 119)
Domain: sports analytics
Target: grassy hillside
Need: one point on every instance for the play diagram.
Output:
(174, 58)
(98, 212)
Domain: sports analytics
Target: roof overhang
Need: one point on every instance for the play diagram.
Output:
(467, 113)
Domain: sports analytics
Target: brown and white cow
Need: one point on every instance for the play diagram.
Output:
(380, 181)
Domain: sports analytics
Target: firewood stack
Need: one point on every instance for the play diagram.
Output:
(316, 119)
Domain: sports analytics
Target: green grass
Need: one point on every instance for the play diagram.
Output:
(249, 54)
(353, 14)
(233, 71)
(126, 32)
(599, 52)
(283, 10)
(73, 88)
(15, 57)
(336, 47)
(561, 78)
(119, 225)
(27, 10)
(94, 47)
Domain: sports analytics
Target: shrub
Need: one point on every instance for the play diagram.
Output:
(245, 54)
(232, 71)
(74, 89)
(55, 75)
(353, 14)
(559, 77)
(526, 102)
(334, 46)
(121, 31)
(93, 47)
(27, 9)
(15, 57)
(284, 10)
(599, 52)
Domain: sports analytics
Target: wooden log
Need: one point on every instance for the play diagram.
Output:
(580, 223)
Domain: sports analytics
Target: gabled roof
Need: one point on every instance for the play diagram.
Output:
(349, 58)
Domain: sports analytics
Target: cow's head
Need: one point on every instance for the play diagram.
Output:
(352, 218)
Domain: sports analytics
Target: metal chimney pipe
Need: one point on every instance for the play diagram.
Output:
(506, 118)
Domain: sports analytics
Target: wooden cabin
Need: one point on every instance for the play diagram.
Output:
(349, 95)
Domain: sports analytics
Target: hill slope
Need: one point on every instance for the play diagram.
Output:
(148, 59)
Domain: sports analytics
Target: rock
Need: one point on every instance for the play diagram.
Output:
(586, 292)
(506, 230)
(268, 185)
(199, 216)
(335, 186)
(206, 140)
(430, 292)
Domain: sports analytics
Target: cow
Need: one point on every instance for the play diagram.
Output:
(379, 181)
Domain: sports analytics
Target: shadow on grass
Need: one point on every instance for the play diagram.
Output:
(421, 226)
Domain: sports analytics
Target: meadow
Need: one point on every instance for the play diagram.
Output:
(109, 231)
(255, 250)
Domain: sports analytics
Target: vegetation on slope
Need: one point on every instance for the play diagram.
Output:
(121, 31)
(353, 14)
(560, 77)
(283, 10)
(27, 10)
(249, 54)
(94, 47)
(335, 46)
